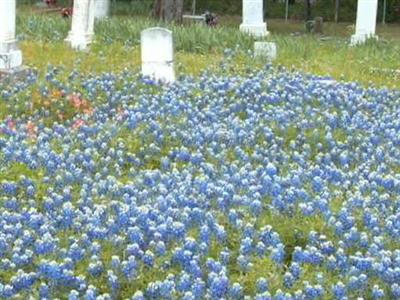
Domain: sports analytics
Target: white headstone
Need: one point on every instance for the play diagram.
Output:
(253, 18)
(366, 21)
(82, 28)
(266, 50)
(158, 54)
(102, 8)
(10, 55)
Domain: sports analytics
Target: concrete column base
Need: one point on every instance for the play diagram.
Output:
(358, 39)
(79, 41)
(257, 30)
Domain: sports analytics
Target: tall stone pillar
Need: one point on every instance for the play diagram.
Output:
(366, 21)
(82, 28)
(10, 55)
(253, 18)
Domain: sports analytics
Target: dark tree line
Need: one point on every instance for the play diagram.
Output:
(330, 10)
(168, 10)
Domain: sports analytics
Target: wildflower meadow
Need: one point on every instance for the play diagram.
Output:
(244, 180)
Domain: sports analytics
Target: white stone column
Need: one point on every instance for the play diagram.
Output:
(10, 55)
(253, 18)
(366, 21)
(91, 18)
(82, 28)
(158, 54)
(102, 9)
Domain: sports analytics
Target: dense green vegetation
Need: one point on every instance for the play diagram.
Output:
(273, 8)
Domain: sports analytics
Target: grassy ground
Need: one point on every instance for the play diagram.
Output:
(344, 30)
(199, 47)
(117, 47)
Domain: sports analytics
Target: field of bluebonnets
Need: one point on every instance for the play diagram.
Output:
(258, 182)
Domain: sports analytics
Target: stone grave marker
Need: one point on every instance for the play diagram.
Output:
(102, 9)
(253, 18)
(366, 21)
(318, 25)
(157, 53)
(267, 50)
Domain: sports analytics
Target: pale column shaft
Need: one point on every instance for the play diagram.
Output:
(10, 55)
(366, 21)
(82, 28)
(90, 19)
(366, 17)
(80, 17)
(253, 18)
(7, 20)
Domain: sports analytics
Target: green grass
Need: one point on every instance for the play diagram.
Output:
(198, 48)
(13, 171)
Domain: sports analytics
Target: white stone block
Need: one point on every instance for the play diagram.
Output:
(157, 53)
(267, 50)
(82, 28)
(366, 21)
(253, 18)
(11, 59)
